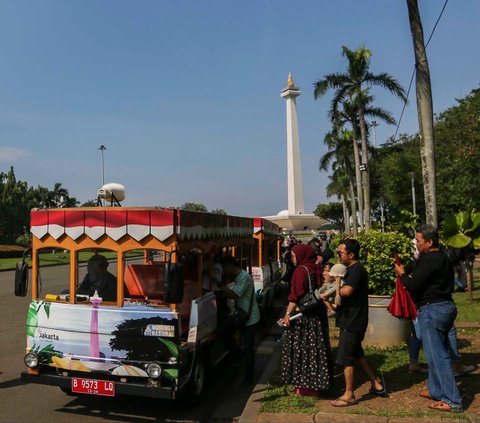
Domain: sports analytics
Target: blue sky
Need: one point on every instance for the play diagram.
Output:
(186, 94)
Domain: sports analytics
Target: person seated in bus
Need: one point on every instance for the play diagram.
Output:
(99, 279)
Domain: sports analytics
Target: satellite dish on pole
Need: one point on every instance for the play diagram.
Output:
(113, 192)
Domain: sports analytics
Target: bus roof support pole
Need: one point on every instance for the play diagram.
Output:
(73, 275)
(120, 277)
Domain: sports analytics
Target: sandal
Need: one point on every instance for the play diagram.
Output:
(425, 394)
(443, 406)
(340, 402)
(379, 392)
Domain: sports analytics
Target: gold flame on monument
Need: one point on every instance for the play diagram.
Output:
(290, 83)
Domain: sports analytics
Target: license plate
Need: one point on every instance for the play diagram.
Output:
(93, 386)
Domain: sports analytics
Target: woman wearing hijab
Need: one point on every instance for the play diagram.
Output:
(306, 357)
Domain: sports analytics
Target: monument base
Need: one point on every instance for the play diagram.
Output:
(296, 222)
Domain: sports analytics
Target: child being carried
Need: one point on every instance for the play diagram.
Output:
(329, 292)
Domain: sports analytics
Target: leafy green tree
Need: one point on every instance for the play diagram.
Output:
(391, 168)
(198, 207)
(218, 211)
(406, 223)
(17, 198)
(457, 134)
(457, 141)
(14, 207)
(351, 85)
(90, 203)
(333, 212)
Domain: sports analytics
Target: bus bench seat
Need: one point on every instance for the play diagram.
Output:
(145, 280)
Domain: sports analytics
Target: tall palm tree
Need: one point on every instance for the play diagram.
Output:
(425, 112)
(59, 195)
(340, 157)
(350, 86)
(338, 187)
(347, 113)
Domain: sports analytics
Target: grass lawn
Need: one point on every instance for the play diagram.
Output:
(468, 311)
(391, 365)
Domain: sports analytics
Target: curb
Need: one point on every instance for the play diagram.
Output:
(322, 417)
(252, 408)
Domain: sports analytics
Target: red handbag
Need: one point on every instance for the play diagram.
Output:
(402, 305)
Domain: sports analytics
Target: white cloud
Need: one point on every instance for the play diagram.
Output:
(9, 154)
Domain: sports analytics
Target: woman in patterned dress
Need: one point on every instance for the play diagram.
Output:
(306, 355)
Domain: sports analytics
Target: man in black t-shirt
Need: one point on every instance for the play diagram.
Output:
(352, 319)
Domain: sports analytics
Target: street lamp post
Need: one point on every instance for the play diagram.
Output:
(102, 148)
(374, 124)
(414, 202)
(382, 215)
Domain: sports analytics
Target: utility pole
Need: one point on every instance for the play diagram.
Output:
(414, 202)
(102, 148)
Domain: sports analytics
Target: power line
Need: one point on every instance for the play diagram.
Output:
(414, 68)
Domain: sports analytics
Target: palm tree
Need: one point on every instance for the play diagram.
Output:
(347, 113)
(338, 186)
(425, 112)
(350, 86)
(60, 197)
(339, 156)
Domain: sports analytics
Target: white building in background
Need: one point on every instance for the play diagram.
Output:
(294, 218)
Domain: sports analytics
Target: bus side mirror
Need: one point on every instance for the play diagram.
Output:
(21, 279)
(173, 283)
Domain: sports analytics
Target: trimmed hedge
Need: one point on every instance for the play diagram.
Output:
(11, 251)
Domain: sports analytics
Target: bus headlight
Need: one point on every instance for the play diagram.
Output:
(154, 370)
(31, 360)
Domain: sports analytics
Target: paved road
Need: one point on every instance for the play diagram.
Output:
(223, 401)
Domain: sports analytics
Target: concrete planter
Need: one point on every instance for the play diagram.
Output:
(383, 329)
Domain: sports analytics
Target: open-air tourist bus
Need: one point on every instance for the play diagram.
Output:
(134, 308)
(266, 270)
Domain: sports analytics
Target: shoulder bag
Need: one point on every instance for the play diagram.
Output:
(309, 302)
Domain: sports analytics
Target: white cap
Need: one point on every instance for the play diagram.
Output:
(338, 270)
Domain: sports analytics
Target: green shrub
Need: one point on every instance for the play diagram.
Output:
(378, 251)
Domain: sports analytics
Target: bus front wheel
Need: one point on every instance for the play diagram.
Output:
(196, 384)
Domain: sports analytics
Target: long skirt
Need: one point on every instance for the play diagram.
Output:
(306, 354)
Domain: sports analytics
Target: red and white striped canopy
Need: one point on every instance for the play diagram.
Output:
(117, 222)
(262, 225)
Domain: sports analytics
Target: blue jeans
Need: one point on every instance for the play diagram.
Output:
(435, 321)
(416, 343)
